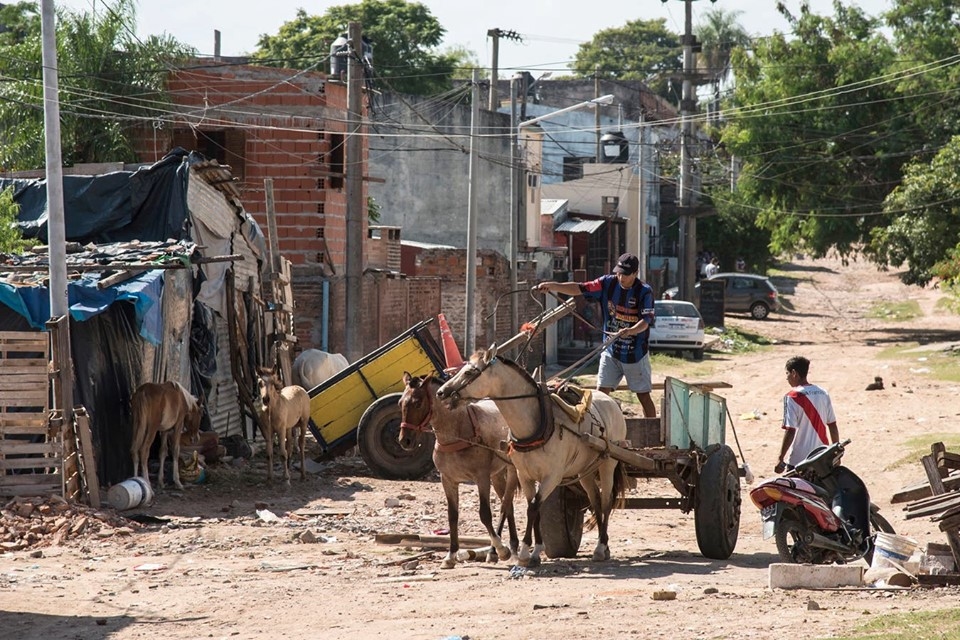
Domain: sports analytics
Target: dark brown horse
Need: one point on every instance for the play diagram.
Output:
(168, 409)
(467, 450)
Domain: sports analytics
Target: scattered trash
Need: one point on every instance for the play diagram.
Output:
(517, 572)
(267, 516)
(150, 566)
(664, 594)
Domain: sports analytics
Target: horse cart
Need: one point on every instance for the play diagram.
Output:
(685, 445)
(358, 406)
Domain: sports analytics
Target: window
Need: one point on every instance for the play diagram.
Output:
(335, 158)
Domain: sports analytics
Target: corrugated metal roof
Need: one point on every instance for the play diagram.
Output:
(553, 206)
(573, 225)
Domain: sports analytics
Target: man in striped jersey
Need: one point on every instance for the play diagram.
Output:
(808, 418)
(628, 314)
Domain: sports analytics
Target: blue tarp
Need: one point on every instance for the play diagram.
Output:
(86, 300)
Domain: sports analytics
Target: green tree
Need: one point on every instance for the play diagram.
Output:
(109, 80)
(405, 37)
(640, 50)
(719, 33)
(11, 241)
(819, 136)
(925, 232)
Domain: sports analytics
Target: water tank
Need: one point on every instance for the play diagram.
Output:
(615, 148)
(338, 55)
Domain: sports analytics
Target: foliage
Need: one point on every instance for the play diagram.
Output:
(896, 311)
(819, 157)
(908, 626)
(732, 340)
(734, 231)
(108, 80)
(653, 52)
(925, 232)
(10, 239)
(405, 37)
(719, 33)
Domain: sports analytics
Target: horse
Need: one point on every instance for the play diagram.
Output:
(165, 408)
(541, 453)
(467, 450)
(312, 366)
(286, 413)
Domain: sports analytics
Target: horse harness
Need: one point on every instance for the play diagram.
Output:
(425, 426)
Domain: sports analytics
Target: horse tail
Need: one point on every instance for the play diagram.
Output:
(138, 413)
(621, 483)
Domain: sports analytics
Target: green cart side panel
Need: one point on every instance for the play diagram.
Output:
(336, 410)
(692, 415)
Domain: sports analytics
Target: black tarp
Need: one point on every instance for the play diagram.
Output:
(147, 204)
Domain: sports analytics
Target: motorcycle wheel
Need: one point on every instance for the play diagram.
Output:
(790, 545)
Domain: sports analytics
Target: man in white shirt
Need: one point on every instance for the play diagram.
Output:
(808, 418)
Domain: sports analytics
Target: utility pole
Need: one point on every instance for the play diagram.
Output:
(515, 209)
(353, 166)
(56, 233)
(596, 113)
(688, 105)
(493, 103)
(470, 330)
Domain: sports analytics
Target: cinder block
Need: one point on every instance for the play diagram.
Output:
(815, 576)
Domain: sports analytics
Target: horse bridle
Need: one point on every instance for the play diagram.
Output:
(424, 425)
(546, 427)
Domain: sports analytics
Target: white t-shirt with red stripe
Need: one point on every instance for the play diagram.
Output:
(807, 410)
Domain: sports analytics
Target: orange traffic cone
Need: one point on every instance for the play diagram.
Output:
(451, 352)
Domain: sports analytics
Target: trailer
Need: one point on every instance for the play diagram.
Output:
(686, 445)
(359, 405)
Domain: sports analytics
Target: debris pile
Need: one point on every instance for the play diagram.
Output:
(47, 521)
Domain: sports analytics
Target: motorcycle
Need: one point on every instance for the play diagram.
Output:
(820, 512)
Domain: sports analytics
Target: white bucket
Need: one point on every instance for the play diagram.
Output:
(130, 494)
(892, 551)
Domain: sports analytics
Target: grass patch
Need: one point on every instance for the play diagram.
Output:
(940, 364)
(734, 341)
(919, 446)
(948, 305)
(896, 311)
(916, 625)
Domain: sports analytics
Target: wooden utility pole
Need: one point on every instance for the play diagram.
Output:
(688, 106)
(353, 168)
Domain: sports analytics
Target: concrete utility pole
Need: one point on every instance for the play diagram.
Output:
(687, 263)
(470, 330)
(515, 208)
(493, 103)
(596, 114)
(56, 233)
(353, 167)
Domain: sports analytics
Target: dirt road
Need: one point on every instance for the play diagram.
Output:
(217, 569)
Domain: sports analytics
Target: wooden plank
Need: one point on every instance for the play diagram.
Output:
(22, 423)
(24, 447)
(934, 508)
(24, 397)
(623, 455)
(29, 463)
(947, 460)
(16, 486)
(938, 580)
(442, 542)
(922, 489)
(89, 464)
(932, 500)
(933, 475)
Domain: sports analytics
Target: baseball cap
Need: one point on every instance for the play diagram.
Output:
(627, 264)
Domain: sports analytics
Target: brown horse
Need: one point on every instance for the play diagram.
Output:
(543, 456)
(467, 450)
(286, 413)
(168, 409)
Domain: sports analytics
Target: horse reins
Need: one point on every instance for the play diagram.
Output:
(425, 426)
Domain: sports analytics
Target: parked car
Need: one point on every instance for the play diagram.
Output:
(679, 327)
(743, 293)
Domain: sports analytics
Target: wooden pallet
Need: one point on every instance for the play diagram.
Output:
(943, 504)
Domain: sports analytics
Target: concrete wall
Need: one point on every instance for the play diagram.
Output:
(422, 156)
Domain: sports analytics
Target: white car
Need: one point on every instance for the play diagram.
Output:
(679, 327)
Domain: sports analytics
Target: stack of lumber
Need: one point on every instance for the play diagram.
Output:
(938, 498)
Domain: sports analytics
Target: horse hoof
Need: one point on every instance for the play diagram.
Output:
(504, 553)
(601, 556)
(448, 563)
(533, 562)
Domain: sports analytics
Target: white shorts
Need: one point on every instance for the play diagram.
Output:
(638, 375)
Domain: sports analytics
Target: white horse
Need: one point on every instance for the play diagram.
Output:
(314, 366)
(546, 445)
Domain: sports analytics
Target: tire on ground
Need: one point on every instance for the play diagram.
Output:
(717, 506)
(561, 522)
(377, 439)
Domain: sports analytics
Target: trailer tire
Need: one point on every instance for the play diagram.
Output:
(377, 439)
(717, 506)
(561, 522)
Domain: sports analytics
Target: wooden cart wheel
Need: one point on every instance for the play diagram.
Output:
(717, 505)
(561, 522)
(377, 439)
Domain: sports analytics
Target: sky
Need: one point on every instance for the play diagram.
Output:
(552, 29)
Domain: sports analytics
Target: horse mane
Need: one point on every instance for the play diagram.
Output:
(515, 365)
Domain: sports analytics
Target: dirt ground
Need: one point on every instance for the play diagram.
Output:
(216, 569)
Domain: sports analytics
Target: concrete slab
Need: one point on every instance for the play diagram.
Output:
(810, 576)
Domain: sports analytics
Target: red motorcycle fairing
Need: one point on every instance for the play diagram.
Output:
(800, 493)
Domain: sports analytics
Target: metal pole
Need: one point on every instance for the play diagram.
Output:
(596, 112)
(470, 330)
(642, 206)
(514, 209)
(688, 225)
(354, 184)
